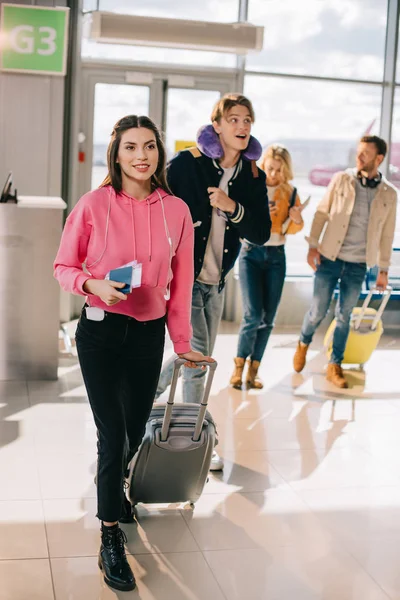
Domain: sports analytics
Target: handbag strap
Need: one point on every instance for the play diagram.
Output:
(293, 198)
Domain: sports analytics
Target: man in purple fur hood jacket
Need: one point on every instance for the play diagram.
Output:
(227, 197)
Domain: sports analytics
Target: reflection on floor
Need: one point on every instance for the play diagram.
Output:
(308, 506)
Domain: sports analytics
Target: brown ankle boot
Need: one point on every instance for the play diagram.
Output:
(334, 374)
(252, 379)
(299, 358)
(236, 379)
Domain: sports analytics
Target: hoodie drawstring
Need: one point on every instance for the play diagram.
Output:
(148, 230)
(133, 232)
(149, 227)
(149, 233)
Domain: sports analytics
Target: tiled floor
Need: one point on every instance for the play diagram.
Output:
(308, 506)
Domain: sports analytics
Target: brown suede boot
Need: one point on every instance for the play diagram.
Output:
(299, 358)
(334, 374)
(252, 379)
(236, 379)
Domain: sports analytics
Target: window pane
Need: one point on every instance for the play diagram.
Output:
(320, 123)
(91, 49)
(335, 38)
(394, 166)
(398, 61)
(183, 122)
(111, 102)
(208, 10)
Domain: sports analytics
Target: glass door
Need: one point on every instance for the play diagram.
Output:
(178, 104)
(111, 102)
(187, 111)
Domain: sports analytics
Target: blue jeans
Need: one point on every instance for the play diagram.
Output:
(207, 307)
(351, 276)
(262, 272)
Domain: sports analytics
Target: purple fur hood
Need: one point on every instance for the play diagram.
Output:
(209, 144)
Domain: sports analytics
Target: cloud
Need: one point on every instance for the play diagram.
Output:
(296, 109)
(206, 10)
(343, 38)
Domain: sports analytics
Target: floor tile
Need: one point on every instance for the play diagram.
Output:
(67, 475)
(73, 530)
(72, 527)
(381, 560)
(13, 389)
(159, 530)
(379, 435)
(19, 476)
(11, 406)
(61, 389)
(246, 472)
(25, 580)
(358, 513)
(253, 404)
(339, 468)
(266, 433)
(159, 577)
(241, 521)
(16, 437)
(65, 436)
(292, 572)
(55, 408)
(22, 530)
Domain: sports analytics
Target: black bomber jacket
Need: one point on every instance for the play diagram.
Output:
(189, 175)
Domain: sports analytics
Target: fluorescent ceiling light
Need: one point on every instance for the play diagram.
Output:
(114, 28)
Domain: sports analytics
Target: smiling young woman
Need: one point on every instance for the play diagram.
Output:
(131, 221)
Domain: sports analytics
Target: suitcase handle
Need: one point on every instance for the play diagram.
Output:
(203, 406)
(385, 299)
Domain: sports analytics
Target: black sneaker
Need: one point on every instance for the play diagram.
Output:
(112, 560)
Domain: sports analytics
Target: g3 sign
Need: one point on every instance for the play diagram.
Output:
(33, 39)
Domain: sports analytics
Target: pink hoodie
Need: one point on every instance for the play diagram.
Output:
(136, 231)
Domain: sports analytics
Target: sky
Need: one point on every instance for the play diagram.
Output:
(335, 38)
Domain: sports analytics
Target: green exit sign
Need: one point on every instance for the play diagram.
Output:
(33, 39)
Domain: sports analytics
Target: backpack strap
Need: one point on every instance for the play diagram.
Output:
(195, 152)
(293, 198)
(254, 169)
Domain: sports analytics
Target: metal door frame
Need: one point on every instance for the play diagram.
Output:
(157, 78)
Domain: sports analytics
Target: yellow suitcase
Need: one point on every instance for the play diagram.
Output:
(365, 331)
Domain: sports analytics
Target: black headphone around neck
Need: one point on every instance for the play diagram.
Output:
(370, 183)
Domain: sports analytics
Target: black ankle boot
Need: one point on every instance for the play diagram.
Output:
(113, 561)
(129, 513)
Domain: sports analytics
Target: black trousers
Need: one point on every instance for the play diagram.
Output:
(120, 359)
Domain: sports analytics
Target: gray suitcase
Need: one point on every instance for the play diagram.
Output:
(174, 457)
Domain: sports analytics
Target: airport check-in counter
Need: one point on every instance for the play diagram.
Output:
(30, 234)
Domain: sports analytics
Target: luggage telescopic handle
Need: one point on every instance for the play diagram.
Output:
(203, 406)
(386, 295)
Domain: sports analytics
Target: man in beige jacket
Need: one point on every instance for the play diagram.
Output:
(359, 211)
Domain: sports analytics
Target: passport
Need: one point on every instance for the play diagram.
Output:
(122, 275)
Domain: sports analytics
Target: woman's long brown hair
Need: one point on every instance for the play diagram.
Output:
(114, 177)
